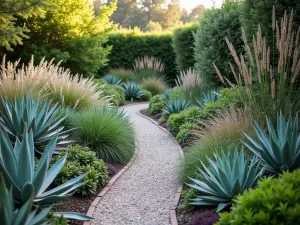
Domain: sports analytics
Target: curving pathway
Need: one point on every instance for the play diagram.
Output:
(144, 193)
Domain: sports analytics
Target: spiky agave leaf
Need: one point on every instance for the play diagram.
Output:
(225, 178)
(206, 97)
(111, 79)
(133, 91)
(176, 105)
(42, 121)
(278, 148)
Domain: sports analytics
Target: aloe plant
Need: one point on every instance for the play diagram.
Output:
(175, 106)
(278, 148)
(24, 215)
(225, 178)
(133, 91)
(112, 79)
(43, 122)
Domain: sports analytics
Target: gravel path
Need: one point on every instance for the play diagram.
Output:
(143, 195)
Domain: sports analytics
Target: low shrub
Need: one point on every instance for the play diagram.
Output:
(154, 85)
(56, 220)
(274, 201)
(189, 194)
(147, 96)
(124, 74)
(82, 160)
(185, 135)
(115, 92)
(107, 131)
(156, 107)
(133, 91)
(204, 218)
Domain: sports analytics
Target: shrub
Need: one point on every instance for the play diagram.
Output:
(279, 148)
(205, 218)
(187, 195)
(156, 107)
(154, 85)
(133, 91)
(115, 92)
(99, 82)
(122, 55)
(207, 97)
(226, 177)
(175, 106)
(42, 122)
(155, 99)
(273, 201)
(124, 74)
(183, 43)
(147, 96)
(111, 79)
(210, 45)
(221, 133)
(185, 135)
(56, 220)
(106, 131)
(82, 160)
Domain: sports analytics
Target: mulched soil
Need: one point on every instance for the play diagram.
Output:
(154, 117)
(81, 204)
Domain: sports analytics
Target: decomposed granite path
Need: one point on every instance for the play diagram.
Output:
(144, 193)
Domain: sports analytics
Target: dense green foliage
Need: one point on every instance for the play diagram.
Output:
(185, 135)
(116, 93)
(211, 47)
(183, 44)
(274, 201)
(107, 131)
(154, 85)
(81, 160)
(122, 55)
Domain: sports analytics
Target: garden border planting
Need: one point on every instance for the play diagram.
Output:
(173, 207)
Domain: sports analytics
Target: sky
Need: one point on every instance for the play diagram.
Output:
(190, 4)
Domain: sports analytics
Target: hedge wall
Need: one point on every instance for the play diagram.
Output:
(183, 44)
(129, 46)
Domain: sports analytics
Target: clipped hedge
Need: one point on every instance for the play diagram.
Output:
(183, 44)
(129, 46)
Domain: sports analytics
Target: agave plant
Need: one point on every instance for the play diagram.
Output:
(280, 148)
(210, 96)
(227, 177)
(167, 93)
(43, 122)
(133, 91)
(111, 79)
(176, 105)
(22, 216)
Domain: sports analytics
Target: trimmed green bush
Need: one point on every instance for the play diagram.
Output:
(156, 107)
(158, 45)
(107, 131)
(82, 160)
(147, 96)
(210, 44)
(185, 133)
(183, 44)
(274, 201)
(116, 92)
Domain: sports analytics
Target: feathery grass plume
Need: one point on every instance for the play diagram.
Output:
(191, 85)
(124, 74)
(155, 85)
(272, 84)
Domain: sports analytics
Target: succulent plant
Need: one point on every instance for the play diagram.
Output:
(227, 177)
(279, 149)
(42, 121)
(112, 79)
(22, 216)
(176, 105)
(133, 91)
(206, 97)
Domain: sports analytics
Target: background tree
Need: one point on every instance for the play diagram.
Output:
(197, 13)
(153, 27)
(172, 15)
(150, 8)
(124, 12)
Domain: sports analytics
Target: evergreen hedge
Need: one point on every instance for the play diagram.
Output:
(183, 44)
(128, 46)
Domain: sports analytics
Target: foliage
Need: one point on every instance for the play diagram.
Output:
(154, 85)
(42, 122)
(272, 83)
(185, 135)
(107, 131)
(273, 201)
(279, 149)
(81, 160)
(111, 79)
(205, 218)
(122, 55)
(168, 93)
(116, 94)
(124, 74)
(156, 104)
(24, 215)
(209, 96)
(188, 194)
(56, 220)
(225, 178)
(153, 27)
(210, 45)
(147, 96)
(74, 32)
(17, 166)
(133, 91)
(175, 106)
(183, 43)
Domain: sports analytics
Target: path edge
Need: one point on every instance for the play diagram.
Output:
(174, 205)
(111, 182)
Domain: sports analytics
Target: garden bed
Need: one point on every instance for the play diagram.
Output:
(154, 117)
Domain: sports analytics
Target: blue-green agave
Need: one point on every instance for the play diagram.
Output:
(278, 148)
(210, 96)
(112, 79)
(133, 91)
(24, 215)
(43, 122)
(225, 178)
(176, 105)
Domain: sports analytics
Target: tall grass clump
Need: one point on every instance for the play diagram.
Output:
(124, 74)
(221, 133)
(107, 131)
(191, 85)
(155, 85)
(271, 75)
